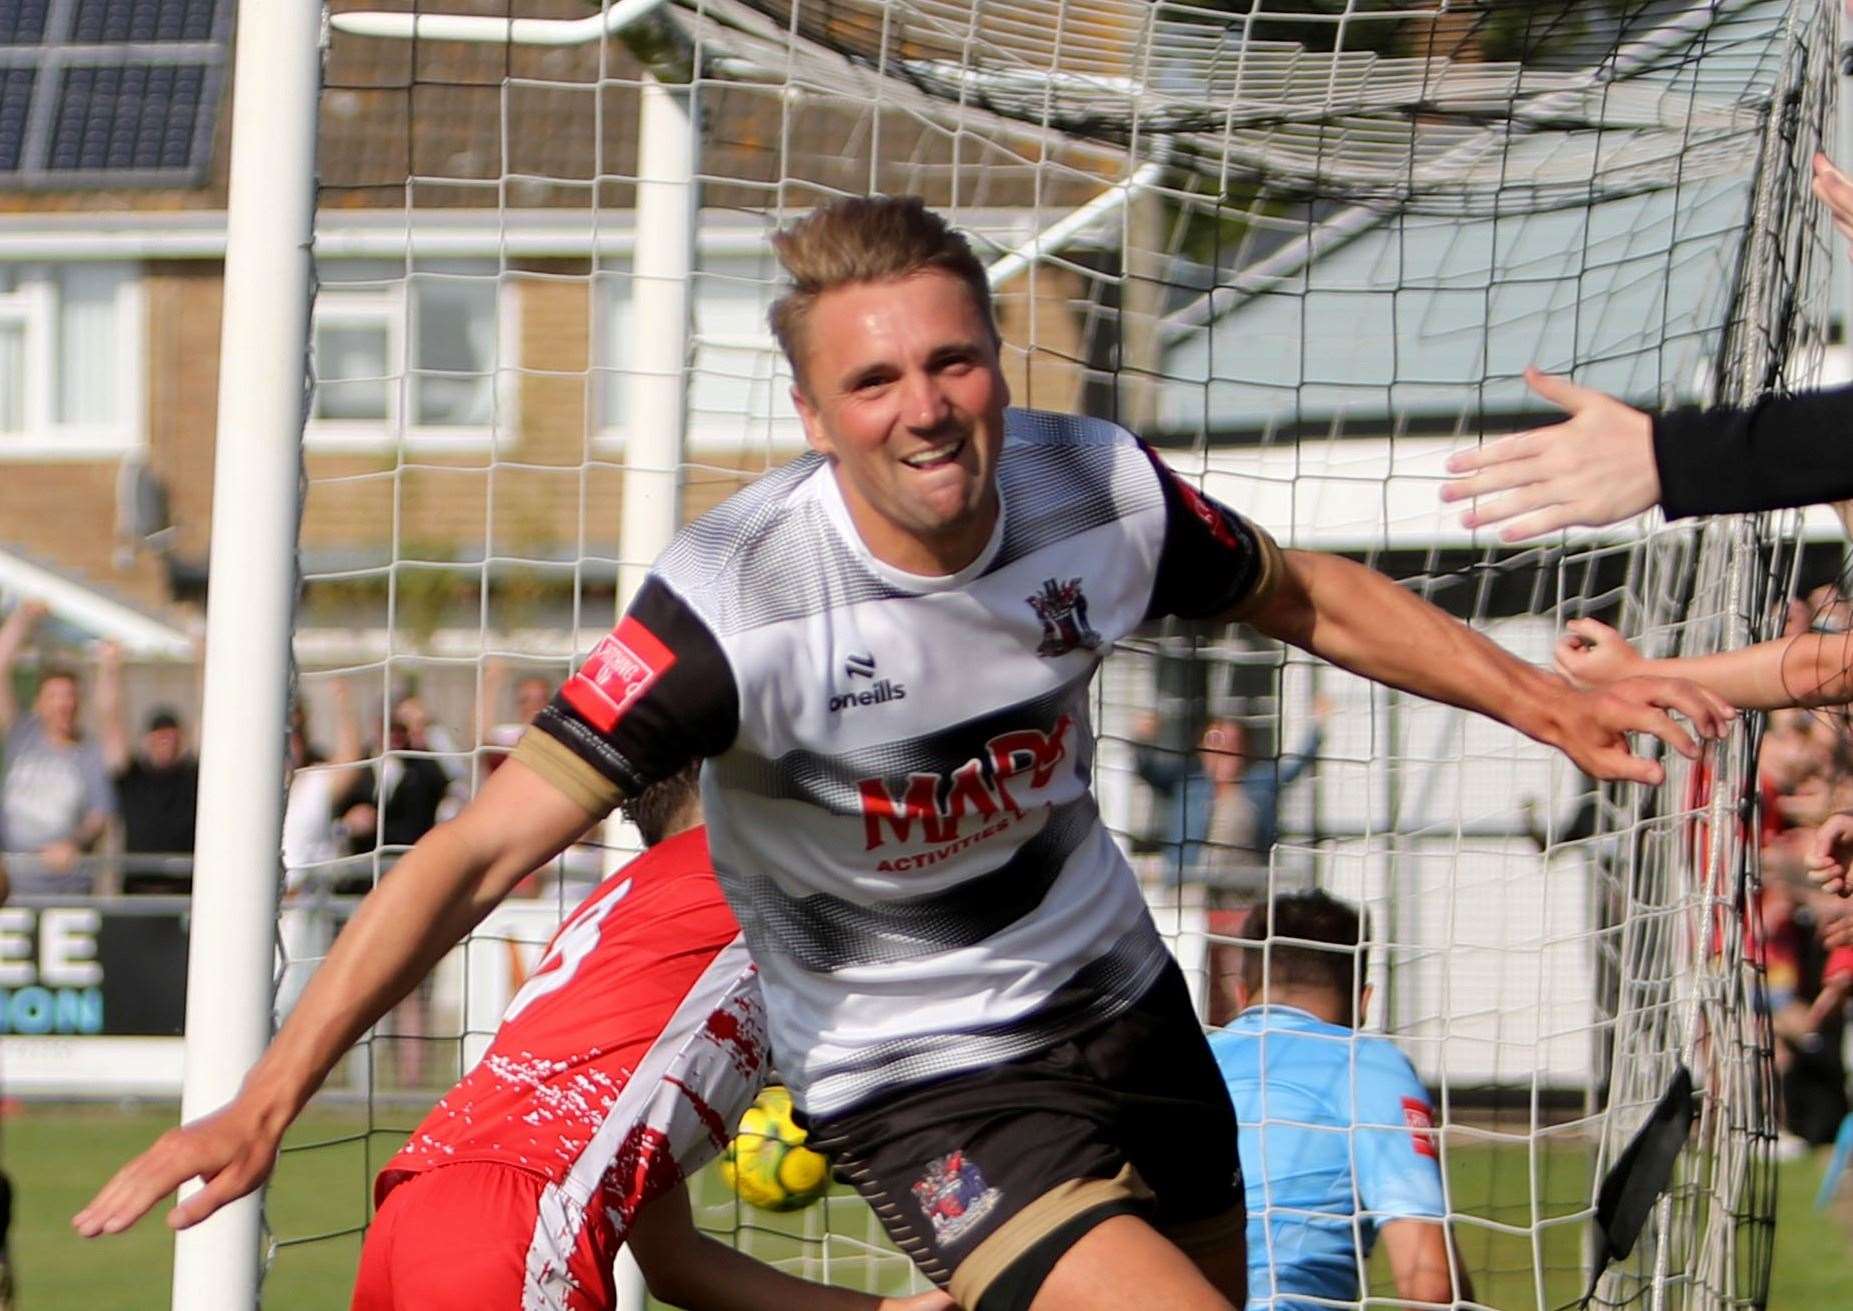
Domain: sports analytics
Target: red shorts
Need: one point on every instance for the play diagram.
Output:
(474, 1235)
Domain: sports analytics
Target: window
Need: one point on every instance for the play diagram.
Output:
(413, 356)
(738, 385)
(70, 360)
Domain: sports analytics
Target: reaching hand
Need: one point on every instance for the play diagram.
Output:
(231, 1150)
(1594, 725)
(1829, 854)
(1595, 468)
(1592, 654)
(1835, 190)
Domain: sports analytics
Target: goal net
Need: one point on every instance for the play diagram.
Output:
(1306, 248)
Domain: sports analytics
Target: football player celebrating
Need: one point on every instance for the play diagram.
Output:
(883, 653)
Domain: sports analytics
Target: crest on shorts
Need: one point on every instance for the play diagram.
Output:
(954, 1196)
(1062, 607)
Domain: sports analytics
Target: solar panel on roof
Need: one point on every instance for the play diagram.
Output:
(109, 92)
(15, 99)
(23, 22)
(129, 118)
(101, 22)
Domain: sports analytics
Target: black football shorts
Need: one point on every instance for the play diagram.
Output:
(984, 1179)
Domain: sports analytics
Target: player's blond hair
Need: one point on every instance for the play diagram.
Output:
(866, 239)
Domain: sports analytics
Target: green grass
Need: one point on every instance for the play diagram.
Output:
(57, 1155)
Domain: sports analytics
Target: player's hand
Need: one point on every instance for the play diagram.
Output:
(1594, 725)
(934, 1301)
(1595, 468)
(1835, 190)
(1830, 852)
(231, 1150)
(1592, 654)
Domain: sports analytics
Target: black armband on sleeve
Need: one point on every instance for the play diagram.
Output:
(1781, 453)
(654, 694)
(1214, 562)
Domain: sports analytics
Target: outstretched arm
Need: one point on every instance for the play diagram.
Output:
(1361, 621)
(14, 634)
(112, 733)
(439, 891)
(686, 1268)
(1609, 461)
(1804, 671)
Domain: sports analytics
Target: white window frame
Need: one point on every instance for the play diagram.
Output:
(33, 305)
(707, 433)
(388, 304)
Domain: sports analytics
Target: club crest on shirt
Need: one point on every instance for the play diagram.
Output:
(1421, 1123)
(1062, 607)
(954, 1197)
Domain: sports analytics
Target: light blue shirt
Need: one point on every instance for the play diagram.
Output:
(1335, 1140)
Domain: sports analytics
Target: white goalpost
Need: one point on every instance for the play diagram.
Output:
(1306, 248)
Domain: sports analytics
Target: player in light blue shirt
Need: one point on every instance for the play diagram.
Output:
(1337, 1139)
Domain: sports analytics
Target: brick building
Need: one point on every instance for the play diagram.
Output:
(469, 363)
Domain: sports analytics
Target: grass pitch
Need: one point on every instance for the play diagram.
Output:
(58, 1155)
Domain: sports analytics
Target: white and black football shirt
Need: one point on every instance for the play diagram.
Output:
(897, 779)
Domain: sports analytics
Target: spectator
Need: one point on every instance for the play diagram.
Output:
(1337, 1141)
(1799, 776)
(399, 805)
(532, 693)
(157, 788)
(1223, 798)
(427, 734)
(56, 794)
(1802, 977)
(394, 809)
(313, 844)
(312, 838)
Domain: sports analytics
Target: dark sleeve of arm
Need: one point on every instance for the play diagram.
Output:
(1163, 770)
(655, 694)
(1214, 562)
(1780, 453)
(1291, 767)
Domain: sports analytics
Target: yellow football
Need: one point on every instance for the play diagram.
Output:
(767, 1164)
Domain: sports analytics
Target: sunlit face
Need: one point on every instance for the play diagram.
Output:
(1222, 751)
(902, 390)
(56, 706)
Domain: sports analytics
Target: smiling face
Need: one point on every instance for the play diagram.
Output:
(56, 706)
(902, 390)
